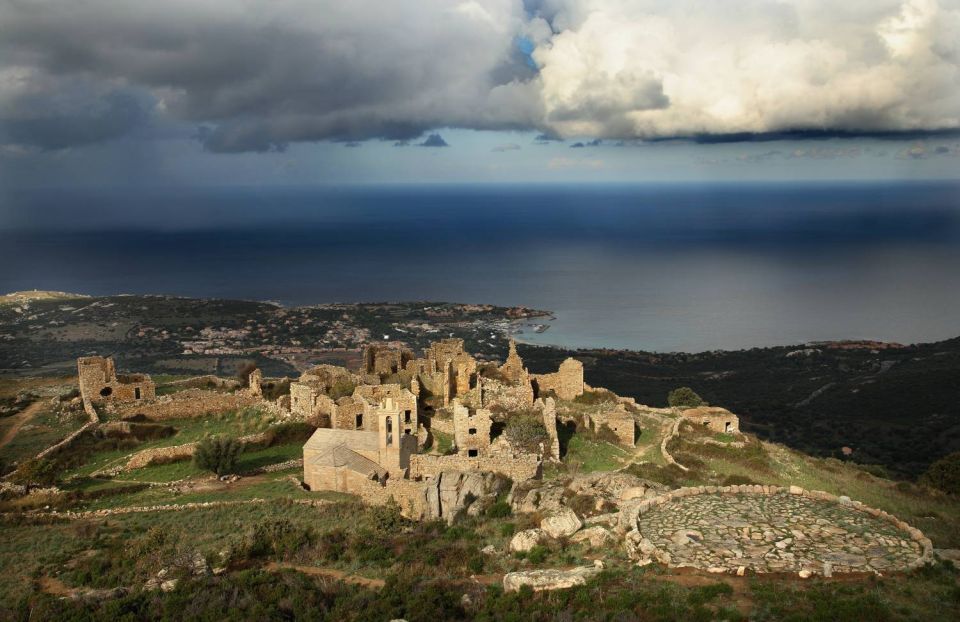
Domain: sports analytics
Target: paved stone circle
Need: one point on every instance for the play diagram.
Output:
(777, 532)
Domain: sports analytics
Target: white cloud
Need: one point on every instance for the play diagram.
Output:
(263, 73)
(750, 66)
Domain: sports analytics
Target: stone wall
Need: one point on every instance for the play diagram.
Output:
(566, 382)
(409, 494)
(618, 421)
(188, 403)
(518, 467)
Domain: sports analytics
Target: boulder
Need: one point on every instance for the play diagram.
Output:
(597, 536)
(525, 540)
(561, 523)
(548, 579)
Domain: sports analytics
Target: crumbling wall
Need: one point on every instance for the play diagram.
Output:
(548, 408)
(518, 466)
(619, 421)
(496, 394)
(188, 403)
(566, 383)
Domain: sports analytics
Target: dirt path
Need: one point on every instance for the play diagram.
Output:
(330, 573)
(19, 420)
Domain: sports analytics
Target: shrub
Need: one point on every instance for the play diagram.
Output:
(684, 397)
(500, 509)
(217, 454)
(507, 529)
(526, 432)
(944, 474)
(538, 554)
(35, 471)
(279, 537)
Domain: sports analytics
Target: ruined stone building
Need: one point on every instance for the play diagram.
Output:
(381, 360)
(713, 418)
(445, 373)
(350, 460)
(471, 430)
(619, 421)
(99, 382)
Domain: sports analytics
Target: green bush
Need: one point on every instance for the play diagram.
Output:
(944, 474)
(684, 397)
(217, 454)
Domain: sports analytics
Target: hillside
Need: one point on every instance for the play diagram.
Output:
(897, 407)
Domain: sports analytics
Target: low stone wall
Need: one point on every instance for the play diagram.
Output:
(917, 536)
(176, 507)
(518, 467)
(188, 403)
(67, 442)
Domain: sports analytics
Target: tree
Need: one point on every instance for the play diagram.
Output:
(944, 474)
(527, 432)
(218, 454)
(684, 397)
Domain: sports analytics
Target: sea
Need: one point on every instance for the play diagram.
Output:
(656, 267)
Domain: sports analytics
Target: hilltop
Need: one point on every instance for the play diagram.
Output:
(892, 406)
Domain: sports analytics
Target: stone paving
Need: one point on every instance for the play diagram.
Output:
(774, 533)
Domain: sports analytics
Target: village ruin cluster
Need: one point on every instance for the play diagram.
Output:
(378, 426)
(446, 434)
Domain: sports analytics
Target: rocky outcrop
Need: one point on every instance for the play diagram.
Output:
(561, 523)
(451, 493)
(550, 579)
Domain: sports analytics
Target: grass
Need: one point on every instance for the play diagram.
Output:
(42, 431)
(590, 455)
(442, 442)
(189, 430)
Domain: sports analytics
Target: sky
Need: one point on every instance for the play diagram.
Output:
(276, 92)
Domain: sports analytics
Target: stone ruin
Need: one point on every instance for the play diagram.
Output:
(713, 418)
(99, 382)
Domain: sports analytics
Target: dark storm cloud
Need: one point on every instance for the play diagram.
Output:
(261, 74)
(112, 116)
